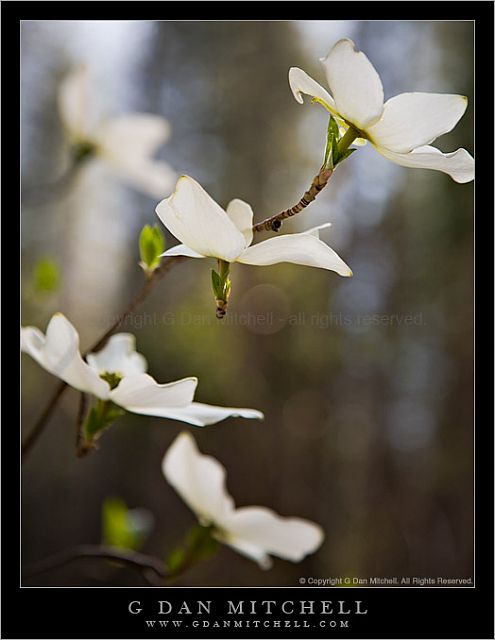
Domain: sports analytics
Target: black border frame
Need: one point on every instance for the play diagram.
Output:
(392, 613)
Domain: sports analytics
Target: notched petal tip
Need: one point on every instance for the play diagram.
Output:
(293, 71)
(340, 43)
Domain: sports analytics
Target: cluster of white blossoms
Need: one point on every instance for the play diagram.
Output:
(256, 532)
(207, 231)
(117, 374)
(125, 143)
(401, 129)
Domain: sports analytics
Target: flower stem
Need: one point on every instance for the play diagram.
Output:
(347, 139)
(83, 402)
(147, 287)
(320, 181)
(275, 222)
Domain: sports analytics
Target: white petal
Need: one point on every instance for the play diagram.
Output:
(257, 529)
(246, 548)
(195, 413)
(299, 248)
(241, 214)
(137, 134)
(202, 415)
(149, 176)
(58, 353)
(119, 355)
(127, 143)
(181, 250)
(355, 85)
(412, 120)
(193, 217)
(300, 83)
(140, 393)
(459, 165)
(198, 479)
(315, 231)
(73, 104)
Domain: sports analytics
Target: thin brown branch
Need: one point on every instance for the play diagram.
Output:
(155, 277)
(275, 222)
(39, 426)
(79, 425)
(149, 566)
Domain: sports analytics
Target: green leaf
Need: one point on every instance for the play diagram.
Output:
(122, 527)
(176, 559)
(151, 246)
(331, 149)
(201, 544)
(345, 155)
(100, 417)
(217, 284)
(46, 275)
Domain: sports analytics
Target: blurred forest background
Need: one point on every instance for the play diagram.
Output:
(366, 382)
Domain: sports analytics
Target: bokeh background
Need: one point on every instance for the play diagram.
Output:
(366, 382)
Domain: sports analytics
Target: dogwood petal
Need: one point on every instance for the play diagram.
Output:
(299, 248)
(73, 104)
(241, 214)
(412, 120)
(315, 231)
(193, 217)
(58, 353)
(127, 143)
(149, 176)
(140, 393)
(459, 165)
(196, 413)
(202, 415)
(119, 355)
(137, 134)
(197, 478)
(245, 548)
(181, 250)
(300, 82)
(256, 531)
(355, 85)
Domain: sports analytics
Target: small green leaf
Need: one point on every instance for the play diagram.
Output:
(46, 275)
(122, 527)
(345, 155)
(100, 417)
(331, 149)
(217, 284)
(176, 559)
(227, 289)
(151, 246)
(200, 543)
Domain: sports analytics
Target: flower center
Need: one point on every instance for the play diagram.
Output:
(83, 150)
(113, 378)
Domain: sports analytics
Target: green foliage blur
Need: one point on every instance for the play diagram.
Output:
(46, 276)
(122, 527)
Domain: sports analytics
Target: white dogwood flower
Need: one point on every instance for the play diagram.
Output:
(125, 143)
(207, 231)
(402, 128)
(117, 373)
(255, 532)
